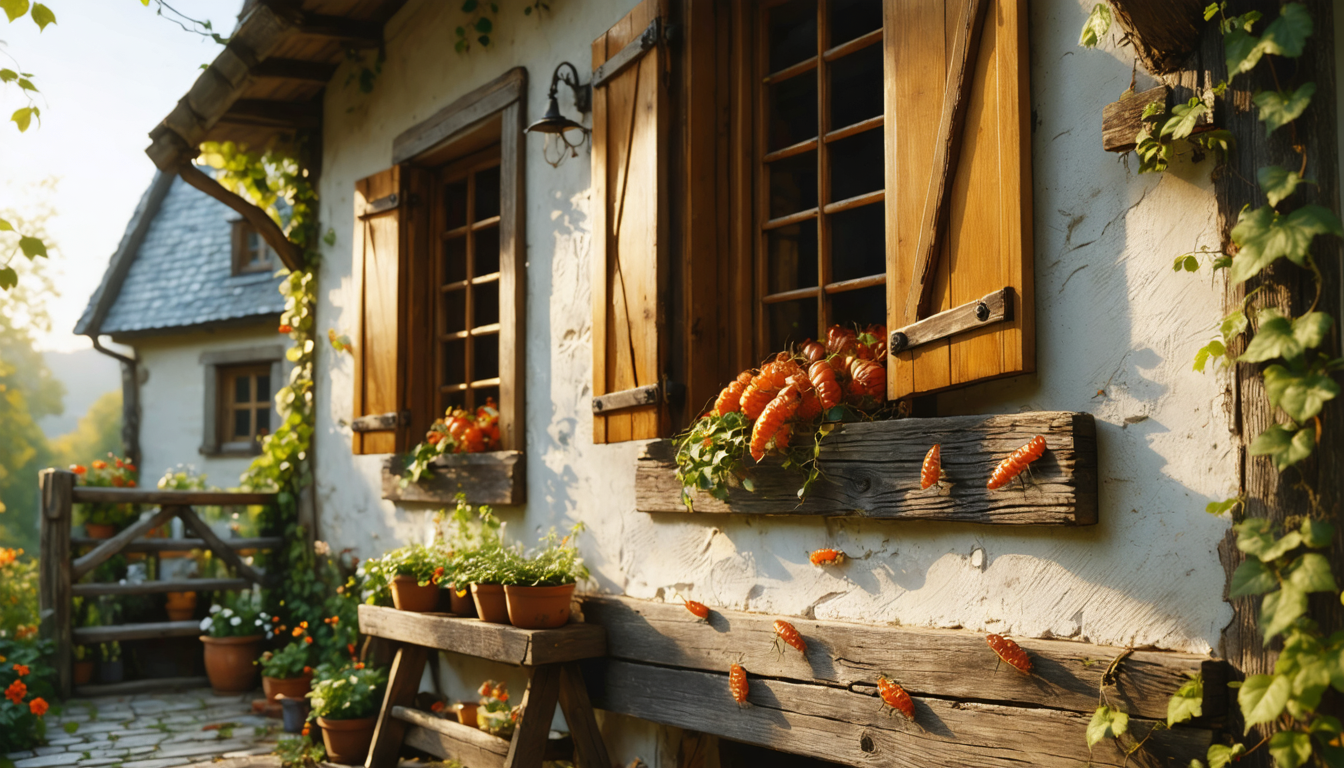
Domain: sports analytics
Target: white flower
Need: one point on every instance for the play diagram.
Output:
(257, 622)
(264, 615)
(206, 623)
(354, 679)
(236, 620)
(269, 635)
(228, 611)
(216, 608)
(322, 548)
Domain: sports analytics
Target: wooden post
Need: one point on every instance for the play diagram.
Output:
(402, 685)
(528, 747)
(57, 489)
(589, 748)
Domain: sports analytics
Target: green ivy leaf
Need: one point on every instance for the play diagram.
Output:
(1222, 262)
(1212, 10)
(1219, 507)
(5, 226)
(1097, 25)
(1214, 349)
(1233, 325)
(1256, 538)
(1183, 118)
(1186, 261)
(1317, 534)
(1106, 721)
(1262, 699)
(1242, 51)
(1301, 397)
(1311, 573)
(32, 247)
(1153, 108)
(1279, 108)
(1264, 236)
(1278, 611)
(484, 26)
(1221, 755)
(1287, 35)
(1252, 577)
(8, 278)
(1290, 749)
(1277, 182)
(23, 117)
(469, 5)
(1280, 337)
(1187, 702)
(43, 16)
(14, 8)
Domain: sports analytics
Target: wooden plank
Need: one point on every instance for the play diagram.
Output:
(85, 494)
(497, 477)
(149, 685)
(528, 746)
(157, 587)
(403, 682)
(956, 98)
(992, 308)
(1162, 33)
(627, 55)
(513, 277)
(56, 487)
(628, 398)
(849, 727)
(278, 113)
(927, 662)
(466, 744)
(872, 470)
(289, 253)
(112, 546)
(496, 642)
(148, 631)
(341, 29)
(297, 70)
(589, 748)
(222, 551)
(183, 545)
(462, 114)
(1121, 121)
(378, 286)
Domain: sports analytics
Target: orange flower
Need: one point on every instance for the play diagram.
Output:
(307, 670)
(305, 731)
(130, 483)
(119, 464)
(20, 670)
(38, 706)
(78, 469)
(303, 624)
(100, 464)
(351, 648)
(2, 659)
(130, 467)
(297, 631)
(308, 640)
(484, 690)
(286, 329)
(16, 691)
(436, 707)
(117, 481)
(502, 695)
(359, 665)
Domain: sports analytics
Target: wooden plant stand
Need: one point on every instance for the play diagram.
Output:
(551, 658)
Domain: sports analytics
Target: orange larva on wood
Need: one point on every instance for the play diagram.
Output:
(699, 610)
(1010, 652)
(737, 684)
(932, 470)
(790, 636)
(894, 696)
(1013, 465)
(828, 557)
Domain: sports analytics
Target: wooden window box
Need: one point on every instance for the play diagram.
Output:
(872, 470)
(499, 477)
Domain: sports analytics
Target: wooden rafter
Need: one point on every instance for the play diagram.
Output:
(289, 253)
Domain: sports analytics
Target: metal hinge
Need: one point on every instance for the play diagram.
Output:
(669, 392)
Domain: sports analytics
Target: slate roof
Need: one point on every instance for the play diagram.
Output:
(173, 269)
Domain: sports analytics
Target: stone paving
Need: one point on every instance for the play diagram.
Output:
(153, 730)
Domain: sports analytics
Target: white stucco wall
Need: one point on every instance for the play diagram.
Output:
(1117, 332)
(172, 401)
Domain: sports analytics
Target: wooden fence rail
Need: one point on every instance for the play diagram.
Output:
(60, 569)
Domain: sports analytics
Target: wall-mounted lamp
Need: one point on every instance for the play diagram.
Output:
(555, 124)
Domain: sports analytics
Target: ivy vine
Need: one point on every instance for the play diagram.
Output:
(1283, 565)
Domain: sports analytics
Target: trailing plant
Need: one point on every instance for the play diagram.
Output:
(457, 432)
(287, 663)
(1283, 565)
(481, 21)
(109, 652)
(348, 693)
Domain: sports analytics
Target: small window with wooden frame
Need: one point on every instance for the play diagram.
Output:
(244, 404)
(251, 253)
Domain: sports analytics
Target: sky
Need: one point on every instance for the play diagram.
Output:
(108, 72)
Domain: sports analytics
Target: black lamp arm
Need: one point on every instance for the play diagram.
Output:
(583, 92)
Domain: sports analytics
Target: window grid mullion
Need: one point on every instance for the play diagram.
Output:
(469, 344)
(823, 165)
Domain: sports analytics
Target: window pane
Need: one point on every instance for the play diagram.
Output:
(859, 242)
(485, 357)
(792, 257)
(242, 424)
(451, 400)
(479, 396)
(455, 259)
(454, 362)
(455, 203)
(853, 18)
(454, 308)
(487, 193)
(793, 33)
(862, 307)
(856, 87)
(857, 165)
(790, 322)
(793, 110)
(263, 388)
(242, 389)
(484, 304)
(263, 421)
(793, 184)
(486, 251)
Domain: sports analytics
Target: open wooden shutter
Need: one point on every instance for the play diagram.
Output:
(631, 226)
(380, 418)
(983, 242)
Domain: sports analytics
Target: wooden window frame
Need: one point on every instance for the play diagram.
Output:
(242, 264)
(214, 363)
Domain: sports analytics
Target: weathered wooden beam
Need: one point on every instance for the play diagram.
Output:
(124, 632)
(403, 681)
(496, 642)
(848, 726)
(497, 477)
(1121, 121)
(927, 662)
(1163, 32)
(87, 494)
(274, 113)
(223, 551)
(318, 72)
(628, 55)
(469, 745)
(112, 546)
(56, 488)
(628, 398)
(183, 545)
(289, 252)
(158, 587)
(873, 470)
(340, 29)
(992, 308)
(462, 114)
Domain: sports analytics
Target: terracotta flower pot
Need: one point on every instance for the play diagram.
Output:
(347, 741)
(291, 687)
(83, 672)
(466, 714)
(539, 607)
(490, 604)
(181, 605)
(228, 662)
(100, 530)
(407, 595)
(461, 602)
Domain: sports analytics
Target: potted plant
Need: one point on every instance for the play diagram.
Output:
(411, 573)
(493, 714)
(83, 666)
(233, 635)
(286, 671)
(111, 669)
(539, 588)
(345, 703)
(181, 606)
(469, 528)
(103, 520)
(487, 568)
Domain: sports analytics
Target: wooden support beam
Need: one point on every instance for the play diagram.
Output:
(123, 632)
(88, 494)
(183, 545)
(1121, 120)
(289, 252)
(159, 587)
(496, 642)
(340, 29)
(992, 308)
(403, 682)
(528, 747)
(222, 551)
(274, 113)
(56, 487)
(297, 70)
(589, 748)
(112, 546)
(1163, 32)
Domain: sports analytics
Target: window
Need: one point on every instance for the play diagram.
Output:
(250, 251)
(239, 390)
(821, 161)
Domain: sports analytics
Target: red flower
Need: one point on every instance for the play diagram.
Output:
(78, 469)
(286, 329)
(119, 464)
(16, 691)
(305, 731)
(130, 483)
(20, 670)
(307, 670)
(359, 665)
(308, 640)
(130, 467)
(100, 464)
(38, 706)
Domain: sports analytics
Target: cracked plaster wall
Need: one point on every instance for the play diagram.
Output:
(1117, 332)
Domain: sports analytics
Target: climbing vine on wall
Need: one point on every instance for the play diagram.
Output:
(1284, 564)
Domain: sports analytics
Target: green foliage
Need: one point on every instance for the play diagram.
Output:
(1107, 722)
(1097, 25)
(28, 683)
(237, 616)
(492, 563)
(1187, 702)
(302, 752)
(18, 594)
(1279, 108)
(427, 563)
(1285, 444)
(1278, 183)
(710, 453)
(97, 433)
(555, 562)
(348, 693)
(287, 663)
(1264, 236)
(478, 25)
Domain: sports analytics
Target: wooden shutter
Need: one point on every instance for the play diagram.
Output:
(631, 226)
(384, 236)
(984, 244)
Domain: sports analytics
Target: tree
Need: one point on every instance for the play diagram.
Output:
(97, 434)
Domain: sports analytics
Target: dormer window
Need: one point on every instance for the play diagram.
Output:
(250, 251)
